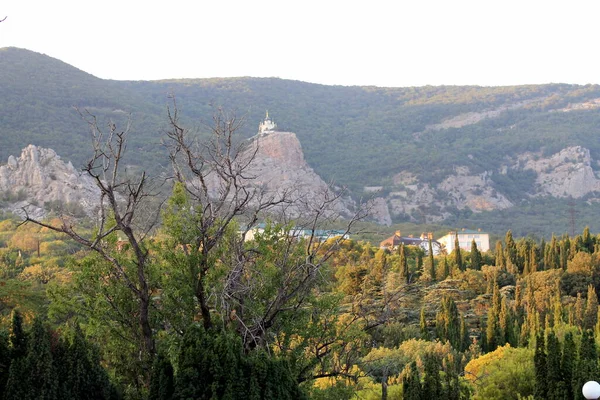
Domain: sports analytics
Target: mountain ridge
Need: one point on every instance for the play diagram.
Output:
(357, 136)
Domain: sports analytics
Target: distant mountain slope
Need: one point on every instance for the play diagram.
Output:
(358, 136)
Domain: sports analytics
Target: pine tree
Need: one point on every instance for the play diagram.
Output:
(475, 256)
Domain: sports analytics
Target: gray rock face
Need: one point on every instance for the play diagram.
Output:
(278, 166)
(568, 173)
(39, 176)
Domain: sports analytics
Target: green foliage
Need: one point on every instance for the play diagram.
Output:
(213, 366)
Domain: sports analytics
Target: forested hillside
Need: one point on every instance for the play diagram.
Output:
(356, 136)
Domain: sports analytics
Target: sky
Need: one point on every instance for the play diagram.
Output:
(393, 43)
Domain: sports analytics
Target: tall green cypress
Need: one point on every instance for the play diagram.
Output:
(588, 241)
(448, 323)
(458, 261)
(403, 264)
(423, 325)
(432, 385)
(556, 387)
(569, 355)
(591, 309)
(587, 362)
(494, 337)
(541, 369)
(445, 267)
(161, 379)
(17, 337)
(499, 256)
(431, 259)
(411, 384)
(475, 256)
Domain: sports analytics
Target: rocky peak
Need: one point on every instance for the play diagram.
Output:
(39, 176)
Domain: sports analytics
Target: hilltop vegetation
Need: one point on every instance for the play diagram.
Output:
(355, 136)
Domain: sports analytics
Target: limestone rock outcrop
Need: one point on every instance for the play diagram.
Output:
(39, 176)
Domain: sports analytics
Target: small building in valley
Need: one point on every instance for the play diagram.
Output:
(465, 237)
(397, 239)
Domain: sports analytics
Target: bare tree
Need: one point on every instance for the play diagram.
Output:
(3, 19)
(216, 174)
(121, 200)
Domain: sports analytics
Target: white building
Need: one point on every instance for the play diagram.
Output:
(465, 237)
(267, 126)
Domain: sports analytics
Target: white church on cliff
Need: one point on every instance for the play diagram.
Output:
(266, 126)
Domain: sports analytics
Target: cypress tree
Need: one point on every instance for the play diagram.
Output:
(431, 259)
(411, 384)
(555, 385)
(4, 361)
(445, 267)
(510, 251)
(432, 386)
(587, 241)
(541, 370)
(591, 309)
(494, 337)
(499, 256)
(569, 355)
(587, 362)
(475, 256)
(423, 325)
(458, 261)
(464, 335)
(403, 264)
(448, 323)
(161, 379)
(564, 253)
(541, 253)
(579, 311)
(17, 337)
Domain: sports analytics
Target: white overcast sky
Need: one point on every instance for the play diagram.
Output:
(352, 42)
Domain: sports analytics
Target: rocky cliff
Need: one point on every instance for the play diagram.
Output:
(568, 173)
(38, 178)
(278, 165)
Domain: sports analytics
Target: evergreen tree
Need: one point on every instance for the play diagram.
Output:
(411, 384)
(510, 253)
(494, 338)
(161, 379)
(556, 386)
(432, 385)
(475, 256)
(569, 356)
(541, 369)
(403, 263)
(579, 311)
(499, 256)
(591, 310)
(4, 361)
(464, 335)
(431, 259)
(540, 256)
(587, 362)
(458, 261)
(17, 337)
(36, 378)
(448, 323)
(564, 253)
(423, 325)
(587, 240)
(445, 267)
